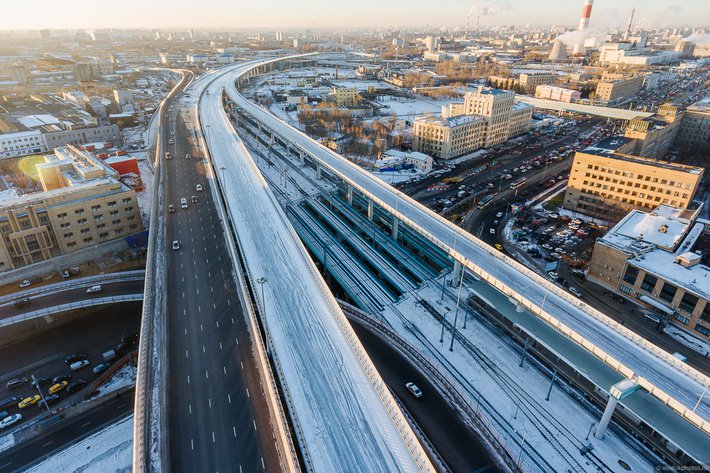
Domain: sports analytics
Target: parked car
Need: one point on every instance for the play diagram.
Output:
(414, 390)
(194, 199)
(576, 292)
(199, 188)
(79, 365)
(171, 208)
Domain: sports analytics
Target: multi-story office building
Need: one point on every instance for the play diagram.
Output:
(652, 258)
(446, 138)
(655, 134)
(502, 118)
(694, 129)
(21, 143)
(615, 90)
(529, 82)
(606, 182)
(82, 204)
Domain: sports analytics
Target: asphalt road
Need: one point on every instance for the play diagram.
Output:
(66, 296)
(450, 436)
(217, 415)
(43, 354)
(66, 433)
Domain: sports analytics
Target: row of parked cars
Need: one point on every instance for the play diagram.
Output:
(59, 385)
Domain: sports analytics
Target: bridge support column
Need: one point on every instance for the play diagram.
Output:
(302, 158)
(519, 309)
(319, 172)
(258, 126)
(395, 228)
(456, 273)
(370, 209)
(350, 194)
(606, 417)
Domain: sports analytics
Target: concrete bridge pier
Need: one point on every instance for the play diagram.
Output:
(606, 417)
(350, 195)
(456, 274)
(395, 228)
(319, 172)
(370, 209)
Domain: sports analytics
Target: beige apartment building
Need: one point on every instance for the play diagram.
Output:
(612, 89)
(529, 82)
(653, 259)
(655, 134)
(695, 127)
(82, 204)
(345, 97)
(446, 138)
(606, 182)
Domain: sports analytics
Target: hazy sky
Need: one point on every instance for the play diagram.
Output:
(88, 14)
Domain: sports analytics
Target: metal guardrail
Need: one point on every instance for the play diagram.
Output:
(286, 449)
(447, 386)
(681, 409)
(48, 311)
(149, 427)
(74, 283)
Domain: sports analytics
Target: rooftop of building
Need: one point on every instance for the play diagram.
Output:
(448, 122)
(608, 146)
(416, 155)
(654, 241)
(491, 91)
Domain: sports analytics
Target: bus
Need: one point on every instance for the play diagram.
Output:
(485, 201)
(518, 183)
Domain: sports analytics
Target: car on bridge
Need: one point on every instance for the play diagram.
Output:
(199, 187)
(194, 199)
(9, 401)
(414, 390)
(183, 203)
(176, 245)
(70, 359)
(15, 383)
(76, 385)
(55, 388)
(49, 400)
(171, 208)
(25, 283)
(93, 289)
(62, 377)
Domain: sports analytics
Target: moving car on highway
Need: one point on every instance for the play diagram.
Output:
(414, 390)
(29, 401)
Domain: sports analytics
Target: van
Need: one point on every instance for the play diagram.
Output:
(77, 365)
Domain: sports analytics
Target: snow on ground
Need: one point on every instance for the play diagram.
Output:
(395, 177)
(289, 117)
(410, 107)
(107, 451)
(362, 85)
(690, 341)
(467, 157)
(554, 429)
(124, 377)
(145, 196)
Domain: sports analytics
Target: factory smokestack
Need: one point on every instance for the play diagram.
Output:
(628, 27)
(586, 13)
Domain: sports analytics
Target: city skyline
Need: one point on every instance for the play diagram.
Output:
(322, 14)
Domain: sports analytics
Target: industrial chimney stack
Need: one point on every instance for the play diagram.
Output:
(586, 13)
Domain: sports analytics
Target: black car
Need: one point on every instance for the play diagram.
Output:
(15, 383)
(61, 377)
(9, 401)
(76, 385)
(74, 358)
(25, 301)
(123, 347)
(39, 381)
(48, 400)
(131, 338)
(101, 367)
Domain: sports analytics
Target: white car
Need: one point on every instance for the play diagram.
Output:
(187, 156)
(492, 231)
(576, 292)
(183, 203)
(199, 187)
(92, 289)
(25, 283)
(176, 245)
(414, 389)
(499, 214)
(171, 141)
(9, 420)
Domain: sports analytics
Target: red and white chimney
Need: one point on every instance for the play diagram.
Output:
(586, 13)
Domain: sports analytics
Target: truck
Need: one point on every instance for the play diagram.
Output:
(109, 355)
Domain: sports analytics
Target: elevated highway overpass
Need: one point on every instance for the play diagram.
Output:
(669, 382)
(596, 110)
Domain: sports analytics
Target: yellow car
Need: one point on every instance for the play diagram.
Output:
(499, 247)
(29, 401)
(58, 387)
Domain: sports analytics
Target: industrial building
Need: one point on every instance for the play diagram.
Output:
(653, 259)
(82, 203)
(606, 181)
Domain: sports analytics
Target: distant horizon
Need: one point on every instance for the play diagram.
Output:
(337, 14)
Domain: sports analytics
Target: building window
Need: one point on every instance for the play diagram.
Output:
(127, 201)
(668, 292)
(688, 302)
(680, 318)
(702, 329)
(88, 240)
(129, 209)
(81, 221)
(71, 244)
(112, 204)
(113, 213)
(625, 289)
(630, 275)
(96, 208)
(103, 235)
(69, 235)
(78, 211)
(649, 282)
(64, 226)
(98, 218)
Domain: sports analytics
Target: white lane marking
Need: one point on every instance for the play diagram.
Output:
(229, 398)
(52, 441)
(184, 312)
(192, 444)
(220, 345)
(248, 393)
(236, 340)
(198, 292)
(183, 279)
(200, 327)
(209, 401)
(214, 306)
(217, 323)
(262, 463)
(224, 368)
(199, 308)
(213, 440)
(86, 423)
(229, 303)
(189, 408)
(232, 320)
(254, 424)
(185, 331)
(183, 294)
(242, 364)
(207, 376)
(187, 354)
(234, 429)
(203, 349)
(188, 379)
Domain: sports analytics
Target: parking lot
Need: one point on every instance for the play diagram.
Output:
(43, 356)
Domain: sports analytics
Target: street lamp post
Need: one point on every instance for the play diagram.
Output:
(261, 281)
(456, 313)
